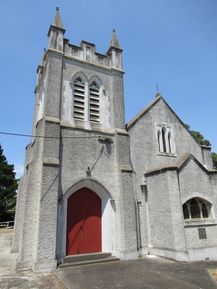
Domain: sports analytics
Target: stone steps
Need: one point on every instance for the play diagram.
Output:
(86, 259)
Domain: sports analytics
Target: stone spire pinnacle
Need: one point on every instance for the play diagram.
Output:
(57, 20)
(114, 41)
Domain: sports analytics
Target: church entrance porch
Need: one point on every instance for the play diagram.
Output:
(84, 228)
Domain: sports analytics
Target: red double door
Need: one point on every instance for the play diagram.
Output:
(84, 223)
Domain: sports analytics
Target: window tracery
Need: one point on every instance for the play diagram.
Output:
(196, 208)
(165, 139)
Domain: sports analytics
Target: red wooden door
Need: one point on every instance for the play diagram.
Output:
(83, 223)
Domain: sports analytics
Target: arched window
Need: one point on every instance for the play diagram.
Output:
(94, 91)
(205, 211)
(169, 142)
(159, 139)
(79, 98)
(196, 208)
(164, 139)
(86, 97)
(186, 211)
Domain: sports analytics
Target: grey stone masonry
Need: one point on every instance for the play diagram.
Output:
(58, 164)
(173, 168)
(156, 184)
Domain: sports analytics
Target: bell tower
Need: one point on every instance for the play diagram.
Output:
(80, 142)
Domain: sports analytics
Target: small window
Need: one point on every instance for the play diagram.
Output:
(164, 139)
(196, 208)
(169, 142)
(94, 102)
(79, 98)
(158, 139)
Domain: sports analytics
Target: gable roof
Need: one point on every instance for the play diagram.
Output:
(179, 165)
(134, 120)
(159, 97)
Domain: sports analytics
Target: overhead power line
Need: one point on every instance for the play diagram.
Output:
(41, 136)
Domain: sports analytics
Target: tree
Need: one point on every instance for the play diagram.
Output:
(198, 136)
(201, 140)
(8, 186)
(214, 159)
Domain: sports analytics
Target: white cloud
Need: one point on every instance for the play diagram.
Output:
(18, 170)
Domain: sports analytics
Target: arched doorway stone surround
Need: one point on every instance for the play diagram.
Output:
(108, 213)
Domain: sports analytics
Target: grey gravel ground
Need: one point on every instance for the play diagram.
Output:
(9, 278)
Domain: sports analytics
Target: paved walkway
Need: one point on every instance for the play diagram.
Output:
(146, 273)
(9, 278)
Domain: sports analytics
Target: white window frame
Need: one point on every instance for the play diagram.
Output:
(169, 148)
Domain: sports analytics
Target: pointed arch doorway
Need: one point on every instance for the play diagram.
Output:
(84, 228)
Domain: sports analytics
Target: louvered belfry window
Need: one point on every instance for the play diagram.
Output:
(94, 102)
(79, 98)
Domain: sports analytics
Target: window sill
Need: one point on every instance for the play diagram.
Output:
(199, 223)
(167, 155)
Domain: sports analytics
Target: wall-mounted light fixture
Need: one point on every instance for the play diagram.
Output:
(88, 172)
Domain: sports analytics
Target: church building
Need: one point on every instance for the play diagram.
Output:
(95, 184)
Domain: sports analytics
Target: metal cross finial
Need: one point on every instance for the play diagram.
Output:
(158, 93)
(157, 87)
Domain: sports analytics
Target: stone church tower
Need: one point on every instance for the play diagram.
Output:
(93, 184)
(81, 158)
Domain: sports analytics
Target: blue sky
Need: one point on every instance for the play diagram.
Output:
(169, 42)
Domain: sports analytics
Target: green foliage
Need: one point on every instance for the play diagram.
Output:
(201, 140)
(214, 159)
(8, 186)
(198, 136)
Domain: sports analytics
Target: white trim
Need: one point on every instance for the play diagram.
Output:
(168, 129)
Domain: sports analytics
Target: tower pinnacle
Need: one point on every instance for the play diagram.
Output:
(56, 33)
(114, 41)
(57, 20)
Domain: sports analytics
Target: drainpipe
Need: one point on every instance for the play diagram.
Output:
(139, 227)
(145, 193)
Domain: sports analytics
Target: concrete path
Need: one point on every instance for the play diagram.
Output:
(146, 273)
(9, 278)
